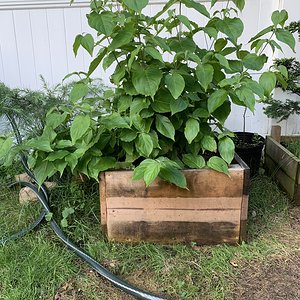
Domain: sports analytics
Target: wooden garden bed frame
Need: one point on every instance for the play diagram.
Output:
(213, 210)
(282, 164)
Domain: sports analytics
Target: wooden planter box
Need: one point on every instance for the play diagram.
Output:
(212, 211)
(283, 165)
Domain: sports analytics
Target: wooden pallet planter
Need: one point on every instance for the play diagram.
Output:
(212, 211)
(283, 165)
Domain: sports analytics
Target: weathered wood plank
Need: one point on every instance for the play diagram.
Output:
(135, 215)
(284, 180)
(199, 184)
(176, 232)
(276, 133)
(173, 203)
(103, 202)
(244, 217)
(283, 158)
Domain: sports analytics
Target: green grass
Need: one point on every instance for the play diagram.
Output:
(294, 147)
(38, 265)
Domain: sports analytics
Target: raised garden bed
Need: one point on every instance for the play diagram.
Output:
(283, 165)
(212, 211)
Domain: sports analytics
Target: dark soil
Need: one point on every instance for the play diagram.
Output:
(277, 277)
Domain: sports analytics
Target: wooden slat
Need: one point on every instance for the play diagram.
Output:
(200, 184)
(115, 216)
(283, 158)
(176, 232)
(244, 217)
(286, 182)
(276, 133)
(103, 202)
(297, 195)
(173, 203)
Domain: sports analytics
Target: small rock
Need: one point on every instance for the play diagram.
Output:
(50, 185)
(26, 196)
(23, 177)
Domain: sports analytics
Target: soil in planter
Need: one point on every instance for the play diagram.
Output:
(249, 147)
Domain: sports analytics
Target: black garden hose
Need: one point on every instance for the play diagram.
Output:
(44, 200)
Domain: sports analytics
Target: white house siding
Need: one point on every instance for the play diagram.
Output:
(36, 37)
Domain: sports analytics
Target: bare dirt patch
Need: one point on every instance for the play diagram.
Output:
(276, 277)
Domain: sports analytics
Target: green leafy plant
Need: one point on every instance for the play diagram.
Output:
(171, 97)
(282, 110)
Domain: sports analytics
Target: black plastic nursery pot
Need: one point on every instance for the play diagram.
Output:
(249, 147)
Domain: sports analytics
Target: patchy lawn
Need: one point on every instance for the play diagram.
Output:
(40, 267)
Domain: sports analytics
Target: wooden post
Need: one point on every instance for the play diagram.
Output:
(276, 133)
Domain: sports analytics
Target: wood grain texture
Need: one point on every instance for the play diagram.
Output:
(244, 217)
(199, 182)
(210, 212)
(163, 232)
(284, 159)
(276, 133)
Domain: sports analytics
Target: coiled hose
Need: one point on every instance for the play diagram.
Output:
(43, 198)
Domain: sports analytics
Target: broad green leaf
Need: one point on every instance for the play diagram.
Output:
(144, 144)
(165, 126)
(162, 100)
(279, 17)
(283, 71)
(185, 21)
(78, 91)
(72, 161)
(137, 105)
(216, 99)
(222, 112)
(5, 147)
(138, 172)
(146, 79)
(175, 83)
(123, 37)
(201, 113)
(154, 53)
(44, 170)
(220, 44)
(60, 154)
(48, 217)
(213, 2)
(61, 144)
(76, 44)
(128, 135)
(222, 60)
(39, 144)
(100, 164)
(136, 5)
(124, 103)
(60, 166)
(79, 127)
(285, 37)
(182, 45)
(240, 4)
(218, 164)
(261, 33)
(178, 105)
(114, 121)
(231, 27)
(193, 161)
(209, 143)
(103, 23)
(64, 223)
(133, 56)
(173, 175)
(226, 149)
(255, 87)
(197, 6)
(268, 82)
(191, 129)
(151, 172)
(246, 96)
(142, 125)
(87, 42)
(95, 63)
(205, 75)
(55, 119)
(254, 62)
